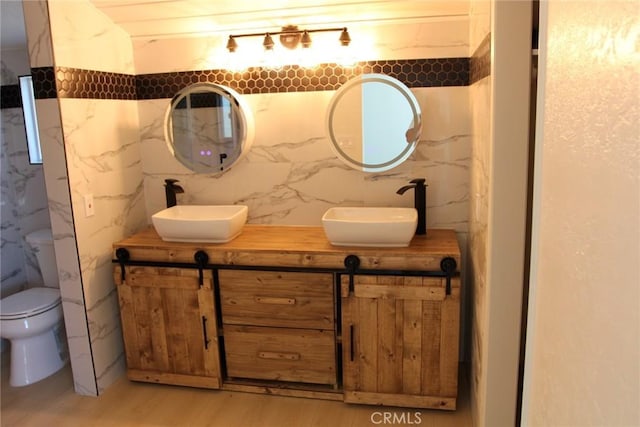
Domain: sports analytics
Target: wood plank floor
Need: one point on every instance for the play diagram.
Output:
(52, 403)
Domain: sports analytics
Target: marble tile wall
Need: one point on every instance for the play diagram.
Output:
(102, 157)
(12, 257)
(55, 170)
(291, 176)
(89, 147)
(476, 277)
(103, 160)
(85, 38)
(65, 244)
(24, 199)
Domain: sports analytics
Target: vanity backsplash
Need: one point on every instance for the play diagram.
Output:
(291, 175)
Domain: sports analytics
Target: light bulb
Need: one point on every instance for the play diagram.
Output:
(307, 58)
(271, 60)
(236, 62)
(345, 56)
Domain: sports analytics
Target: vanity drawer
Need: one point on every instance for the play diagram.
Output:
(282, 299)
(280, 354)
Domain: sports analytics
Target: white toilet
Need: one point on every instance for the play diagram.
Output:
(32, 320)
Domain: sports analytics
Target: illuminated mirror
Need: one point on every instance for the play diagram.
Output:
(208, 127)
(374, 122)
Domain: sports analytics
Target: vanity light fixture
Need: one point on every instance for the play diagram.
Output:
(232, 45)
(268, 42)
(290, 37)
(344, 37)
(305, 40)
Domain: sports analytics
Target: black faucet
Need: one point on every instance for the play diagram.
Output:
(420, 202)
(171, 189)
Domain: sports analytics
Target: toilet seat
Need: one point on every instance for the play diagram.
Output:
(28, 303)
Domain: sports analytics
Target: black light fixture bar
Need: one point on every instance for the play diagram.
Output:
(277, 33)
(290, 30)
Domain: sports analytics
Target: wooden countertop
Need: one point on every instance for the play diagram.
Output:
(295, 246)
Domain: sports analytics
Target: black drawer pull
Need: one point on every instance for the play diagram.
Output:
(352, 351)
(204, 333)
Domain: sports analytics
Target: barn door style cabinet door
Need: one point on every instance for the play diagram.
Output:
(169, 325)
(400, 340)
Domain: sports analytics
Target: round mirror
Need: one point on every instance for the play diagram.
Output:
(374, 122)
(208, 127)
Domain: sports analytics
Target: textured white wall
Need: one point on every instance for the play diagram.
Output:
(583, 340)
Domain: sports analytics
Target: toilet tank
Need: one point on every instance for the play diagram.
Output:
(42, 243)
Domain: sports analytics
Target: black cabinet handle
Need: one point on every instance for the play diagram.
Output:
(352, 351)
(204, 333)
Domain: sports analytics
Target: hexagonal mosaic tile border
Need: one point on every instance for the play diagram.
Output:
(44, 82)
(10, 96)
(413, 73)
(480, 61)
(76, 83)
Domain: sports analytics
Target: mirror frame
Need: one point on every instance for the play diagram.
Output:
(411, 138)
(239, 107)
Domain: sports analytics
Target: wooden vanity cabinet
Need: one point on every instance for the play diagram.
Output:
(281, 311)
(400, 341)
(169, 326)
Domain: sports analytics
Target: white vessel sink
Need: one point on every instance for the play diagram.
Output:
(370, 226)
(207, 223)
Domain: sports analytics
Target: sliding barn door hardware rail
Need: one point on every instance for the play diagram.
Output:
(352, 263)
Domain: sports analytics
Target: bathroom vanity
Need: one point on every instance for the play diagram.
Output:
(280, 310)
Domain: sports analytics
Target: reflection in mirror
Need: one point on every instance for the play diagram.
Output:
(208, 127)
(374, 122)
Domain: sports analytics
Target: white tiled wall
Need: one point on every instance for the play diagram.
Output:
(290, 175)
(480, 110)
(24, 199)
(90, 147)
(103, 160)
